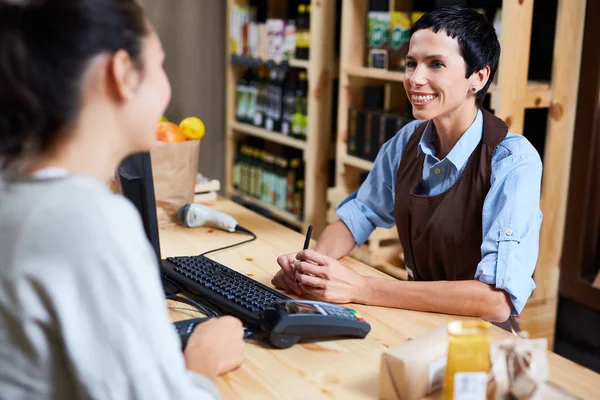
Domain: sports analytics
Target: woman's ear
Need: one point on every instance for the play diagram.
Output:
(124, 75)
(479, 78)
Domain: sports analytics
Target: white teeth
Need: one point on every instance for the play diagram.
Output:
(422, 99)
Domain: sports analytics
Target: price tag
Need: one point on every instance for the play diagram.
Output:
(470, 385)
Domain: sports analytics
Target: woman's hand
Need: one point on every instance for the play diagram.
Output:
(327, 278)
(215, 347)
(285, 278)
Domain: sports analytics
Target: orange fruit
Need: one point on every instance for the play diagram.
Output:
(169, 132)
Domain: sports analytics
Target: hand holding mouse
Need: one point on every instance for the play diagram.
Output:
(215, 347)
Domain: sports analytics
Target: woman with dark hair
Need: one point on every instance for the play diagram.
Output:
(82, 310)
(463, 193)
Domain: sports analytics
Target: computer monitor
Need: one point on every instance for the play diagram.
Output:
(135, 174)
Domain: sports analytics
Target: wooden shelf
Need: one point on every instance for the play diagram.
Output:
(537, 94)
(374, 73)
(274, 137)
(296, 63)
(358, 162)
(253, 62)
(275, 211)
(321, 69)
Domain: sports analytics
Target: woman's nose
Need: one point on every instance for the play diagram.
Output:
(417, 76)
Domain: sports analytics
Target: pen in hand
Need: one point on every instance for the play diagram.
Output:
(307, 241)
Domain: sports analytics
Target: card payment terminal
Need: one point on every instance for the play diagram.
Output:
(286, 322)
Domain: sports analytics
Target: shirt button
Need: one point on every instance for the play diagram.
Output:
(437, 171)
(509, 232)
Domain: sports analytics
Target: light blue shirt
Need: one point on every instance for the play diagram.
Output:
(511, 211)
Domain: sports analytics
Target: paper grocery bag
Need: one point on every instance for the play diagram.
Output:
(174, 168)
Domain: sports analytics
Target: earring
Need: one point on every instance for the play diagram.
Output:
(473, 89)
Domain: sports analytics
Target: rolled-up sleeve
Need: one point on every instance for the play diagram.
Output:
(511, 223)
(372, 205)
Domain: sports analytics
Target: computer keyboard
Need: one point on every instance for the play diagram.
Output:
(227, 289)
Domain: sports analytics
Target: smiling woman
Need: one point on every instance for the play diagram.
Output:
(462, 192)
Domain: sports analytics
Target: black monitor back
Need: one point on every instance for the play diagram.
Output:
(135, 173)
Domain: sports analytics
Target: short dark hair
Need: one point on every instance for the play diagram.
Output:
(477, 39)
(45, 47)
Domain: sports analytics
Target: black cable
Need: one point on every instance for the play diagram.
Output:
(205, 302)
(201, 307)
(239, 229)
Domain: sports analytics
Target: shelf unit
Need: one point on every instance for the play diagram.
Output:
(510, 96)
(283, 215)
(321, 69)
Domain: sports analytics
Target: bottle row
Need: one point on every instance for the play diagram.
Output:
(270, 176)
(276, 39)
(274, 99)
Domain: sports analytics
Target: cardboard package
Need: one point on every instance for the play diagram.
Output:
(174, 169)
(378, 26)
(415, 368)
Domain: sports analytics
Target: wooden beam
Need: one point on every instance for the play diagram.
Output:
(232, 76)
(508, 102)
(596, 283)
(401, 5)
(322, 64)
(352, 54)
(559, 142)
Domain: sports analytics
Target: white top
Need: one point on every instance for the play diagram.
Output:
(82, 310)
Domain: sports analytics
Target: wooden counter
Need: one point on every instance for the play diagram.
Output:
(343, 369)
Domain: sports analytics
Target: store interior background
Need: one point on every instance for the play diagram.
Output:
(193, 33)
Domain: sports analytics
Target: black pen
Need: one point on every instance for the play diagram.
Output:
(308, 235)
(307, 241)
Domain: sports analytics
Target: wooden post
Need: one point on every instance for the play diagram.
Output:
(320, 71)
(353, 37)
(508, 101)
(539, 316)
(229, 103)
(559, 142)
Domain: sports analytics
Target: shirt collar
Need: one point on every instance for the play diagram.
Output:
(462, 150)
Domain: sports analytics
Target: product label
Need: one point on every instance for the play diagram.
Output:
(437, 371)
(258, 119)
(400, 29)
(378, 25)
(470, 385)
(269, 124)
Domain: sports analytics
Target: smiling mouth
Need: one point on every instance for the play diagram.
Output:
(422, 99)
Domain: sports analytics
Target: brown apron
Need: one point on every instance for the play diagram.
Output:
(442, 235)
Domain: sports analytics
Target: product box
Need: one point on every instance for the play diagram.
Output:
(378, 27)
(356, 128)
(371, 137)
(416, 15)
(384, 126)
(400, 25)
(415, 368)
(276, 33)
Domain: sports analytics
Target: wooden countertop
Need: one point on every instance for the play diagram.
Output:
(343, 369)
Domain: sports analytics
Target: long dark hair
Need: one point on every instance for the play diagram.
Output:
(45, 47)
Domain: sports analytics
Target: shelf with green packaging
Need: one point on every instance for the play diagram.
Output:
(270, 136)
(255, 62)
(270, 209)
